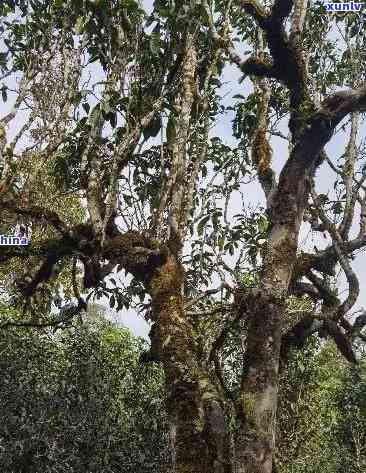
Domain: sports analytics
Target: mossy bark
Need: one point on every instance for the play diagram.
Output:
(198, 431)
(255, 440)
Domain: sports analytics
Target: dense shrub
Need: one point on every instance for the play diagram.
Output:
(79, 401)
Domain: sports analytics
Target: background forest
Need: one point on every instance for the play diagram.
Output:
(80, 400)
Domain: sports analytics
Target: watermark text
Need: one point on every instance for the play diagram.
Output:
(349, 6)
(11, 240)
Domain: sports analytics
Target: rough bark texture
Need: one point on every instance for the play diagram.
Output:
(255, 441)
(198, 430)
(257, 412)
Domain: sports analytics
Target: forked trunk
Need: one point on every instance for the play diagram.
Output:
(198, 430)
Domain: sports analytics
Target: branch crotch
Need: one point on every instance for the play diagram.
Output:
(198, 426)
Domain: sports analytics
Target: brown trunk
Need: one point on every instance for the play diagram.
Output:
(198, 432)
(255, 440)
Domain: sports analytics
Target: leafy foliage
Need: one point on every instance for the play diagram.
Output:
(322, 416)
(79, 401)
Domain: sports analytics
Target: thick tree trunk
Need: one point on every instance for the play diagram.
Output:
(198, 431)
(255, 442)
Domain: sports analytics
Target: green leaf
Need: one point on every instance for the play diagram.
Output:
(86, 107)
(4, 93)
(155, 42)
(128, 199)
(153, 129)
(112, 117)
(3, 57)
(202, 225)
(106, 108)
(337, 208)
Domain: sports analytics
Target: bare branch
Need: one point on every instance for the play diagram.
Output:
(301, 288)
(255, 66)
(119, 159)
(348, 175)
(216, 347)
(180, 129)
(298, 19)
(353, 283)
(261, 149)
(56, 323)
(340, 104)
(288, 59)
(207, 293)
